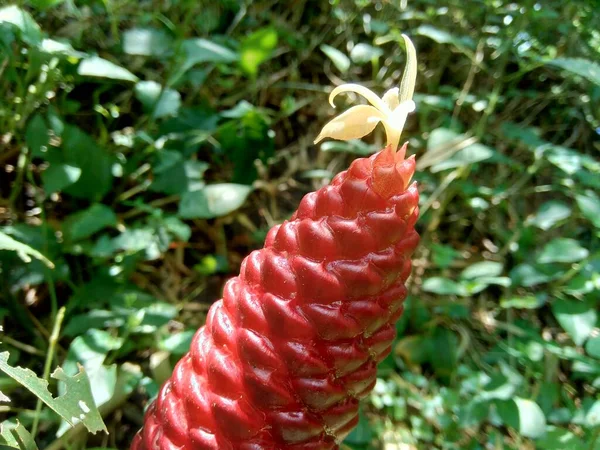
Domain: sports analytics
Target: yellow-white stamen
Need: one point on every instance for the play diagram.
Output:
(391, 110)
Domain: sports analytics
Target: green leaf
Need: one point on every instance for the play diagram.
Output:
(549, 214)
(83, 224)
(443, 37)
(76, 405)
(482, 269)
(592, 418)
(36, 136)
(441, 153)
(256, 49)
(94, 66)
(579, 66)
(197, 51)
(589, 204)
(562, 250)
(90, 350)
(213, 201)
(443, 255)
(339, 59)
(524, 302)
(146, 42)
(577, 318)
(159, 101)
(523, 415)
(592, 347)
(80, 150)
(528, 275)
(361, 434)
(559, 439)
(25, 252)
(442, 286)
(29, 30)
(45, 4)
(15, 436)
(365, 53)
(59, 176)
(177, 344)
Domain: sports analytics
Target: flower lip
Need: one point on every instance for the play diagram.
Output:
(391, 110)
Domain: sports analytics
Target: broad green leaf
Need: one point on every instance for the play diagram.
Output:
(528, 275)
(592, 347)
(29, 30)
(80, 150)
(577, 318)
(36, 136)
(25, 252)
(563, 250)
(339, 59)
(45, 4)
(482, 269)
(158, 101)
(76, 405)
(549, 214)
(83, 224)
(213, 201)
(578, 66)
(469, 155)
(523, 415)
(589, 204)
(94, 66)
(256, 49)
(361, 434)
(443, 255)
(365, 53)
(592, 418)
(524, 302)
(146, 42)
(198, 51)
(559, 439)
(442, 286)
(177, 344)
(90, 350)
(15, 436)
(59, 176)
(443, 37)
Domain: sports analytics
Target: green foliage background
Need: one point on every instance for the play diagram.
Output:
(147, 146)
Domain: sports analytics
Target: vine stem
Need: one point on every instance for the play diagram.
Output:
(54, 336)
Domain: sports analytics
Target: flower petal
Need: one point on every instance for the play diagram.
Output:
(355, 123)
(391, 98)
(367, 93)
(409, 77)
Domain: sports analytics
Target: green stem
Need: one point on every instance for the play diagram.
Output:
(48, 364)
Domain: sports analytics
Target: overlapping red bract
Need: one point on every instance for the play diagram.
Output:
(286, 355)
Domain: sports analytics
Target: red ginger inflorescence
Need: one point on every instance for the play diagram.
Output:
(287, 354)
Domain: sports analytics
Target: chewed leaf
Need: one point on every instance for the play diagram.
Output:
(76, 405)
(355, 123)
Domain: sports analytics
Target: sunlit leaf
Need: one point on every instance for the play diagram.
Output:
(578, 66)
(549, 214)
(146, 42)
(577, 318)
(563, 250)
(339, 59)
(214, 200)
(157, 100)
(95, 66)
(22, 20)
(76, 405)
(24, 251)
(256, 49)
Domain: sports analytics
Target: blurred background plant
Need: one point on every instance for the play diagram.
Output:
(146, 147)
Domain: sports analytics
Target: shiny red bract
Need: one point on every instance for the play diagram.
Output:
(286, 355)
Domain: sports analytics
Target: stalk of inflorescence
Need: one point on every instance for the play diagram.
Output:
(292, 347)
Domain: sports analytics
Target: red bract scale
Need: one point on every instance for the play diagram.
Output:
(286, 355)
(293, 346)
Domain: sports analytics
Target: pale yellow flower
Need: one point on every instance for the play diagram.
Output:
(391, 110)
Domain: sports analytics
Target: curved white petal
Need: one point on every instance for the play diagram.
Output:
(391, 98)
(355, 123)
(409, 77)
(367, 93)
